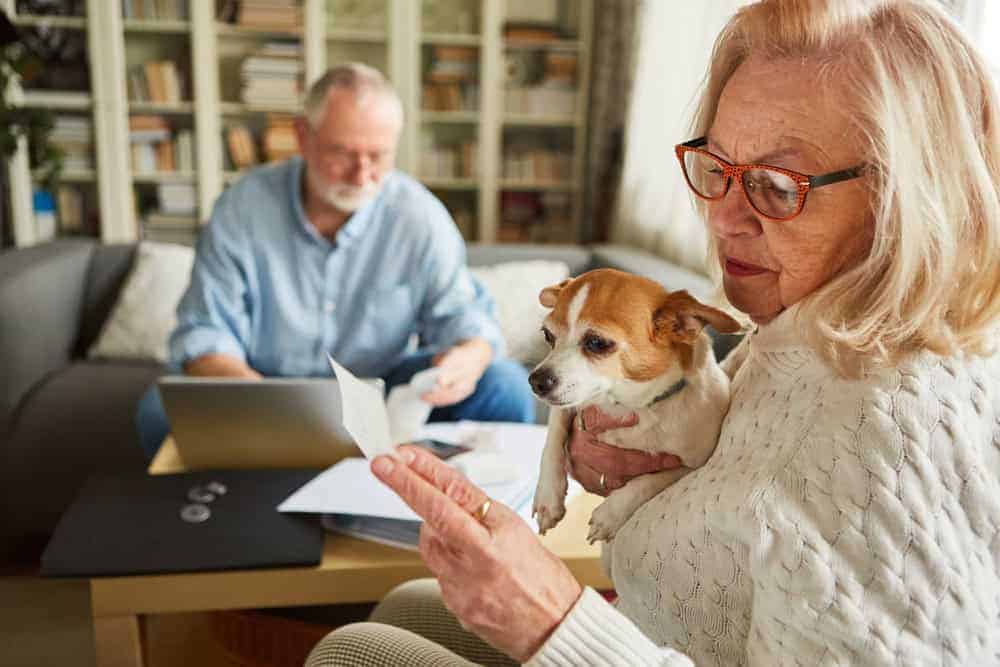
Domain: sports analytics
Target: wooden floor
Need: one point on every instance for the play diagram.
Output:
(46, 622)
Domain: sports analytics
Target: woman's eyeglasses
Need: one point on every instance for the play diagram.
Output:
(776, 193)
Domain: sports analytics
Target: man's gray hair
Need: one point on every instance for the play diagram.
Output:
(362, 80)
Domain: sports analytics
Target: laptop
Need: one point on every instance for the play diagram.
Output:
(267, 423)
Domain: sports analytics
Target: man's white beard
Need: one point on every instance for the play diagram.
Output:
(347, 198)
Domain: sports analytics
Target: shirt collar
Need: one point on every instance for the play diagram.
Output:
(356, 223)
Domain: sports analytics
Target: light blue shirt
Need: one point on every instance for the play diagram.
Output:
(267, 288)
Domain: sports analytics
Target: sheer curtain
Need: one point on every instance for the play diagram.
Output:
(654, 210)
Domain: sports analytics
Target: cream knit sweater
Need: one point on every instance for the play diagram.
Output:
(838, 522)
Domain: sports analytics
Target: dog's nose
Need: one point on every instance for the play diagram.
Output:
(543, 381)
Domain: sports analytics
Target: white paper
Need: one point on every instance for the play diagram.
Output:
(407, 411)
(349, 487)
(363, 412)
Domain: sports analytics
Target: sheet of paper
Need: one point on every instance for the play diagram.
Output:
(407, 411)
(364, 413)
(350, 487)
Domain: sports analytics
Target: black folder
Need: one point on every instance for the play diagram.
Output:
(134, 523)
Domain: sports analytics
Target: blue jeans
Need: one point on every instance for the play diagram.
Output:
(502, 395)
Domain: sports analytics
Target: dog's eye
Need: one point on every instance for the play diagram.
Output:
(549, 338)
(597, 345)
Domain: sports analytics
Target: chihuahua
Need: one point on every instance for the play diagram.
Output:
(625, 344)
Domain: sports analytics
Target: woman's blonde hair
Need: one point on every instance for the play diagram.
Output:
(927, 110)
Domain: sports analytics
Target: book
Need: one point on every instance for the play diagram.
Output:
(71, 209)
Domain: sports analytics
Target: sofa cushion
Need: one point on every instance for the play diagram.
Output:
(577, 258)
(515, 287)
(144, 316)
(78, 421)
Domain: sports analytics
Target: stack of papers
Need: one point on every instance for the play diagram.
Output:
(355, 503)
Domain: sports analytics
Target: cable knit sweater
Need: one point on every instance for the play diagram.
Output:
(838, 522)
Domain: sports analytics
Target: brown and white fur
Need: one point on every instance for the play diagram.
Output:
(620, 341)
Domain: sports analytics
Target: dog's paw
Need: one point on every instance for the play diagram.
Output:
(549, 507)
(605, 521)
(548, 516)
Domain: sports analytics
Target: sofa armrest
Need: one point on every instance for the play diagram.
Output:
(672, 276)
(41, 292)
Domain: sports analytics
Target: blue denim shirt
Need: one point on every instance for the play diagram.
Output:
(267, 288)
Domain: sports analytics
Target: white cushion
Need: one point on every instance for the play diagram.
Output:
(515, 287)
(143, 317)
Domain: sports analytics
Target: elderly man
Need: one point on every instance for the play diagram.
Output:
(336, 252)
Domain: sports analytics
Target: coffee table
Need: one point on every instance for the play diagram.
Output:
(351, 570)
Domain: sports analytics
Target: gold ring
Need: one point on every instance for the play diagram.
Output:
(483, 509)
(603, 485)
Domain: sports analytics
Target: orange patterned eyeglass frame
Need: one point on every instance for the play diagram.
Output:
(733, 172)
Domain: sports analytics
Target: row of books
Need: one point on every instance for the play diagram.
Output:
(272, 75)
(69, 212)
(174, 218)
(525, 163)
(536, 217)
(155, 147)
(449, 160)
(74, 137)
(452, 64)
(269, 14)
(171, 10)
(156, 81)
(549, 99)
(450, 96)
(278, 142)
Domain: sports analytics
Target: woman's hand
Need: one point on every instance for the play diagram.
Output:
(589, 458)
(495, 575)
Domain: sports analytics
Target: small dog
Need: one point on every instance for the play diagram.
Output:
(625, 344)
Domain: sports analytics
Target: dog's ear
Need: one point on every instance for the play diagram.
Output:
(550, 294)
(683, 317)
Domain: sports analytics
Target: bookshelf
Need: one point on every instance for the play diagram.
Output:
(494, 91)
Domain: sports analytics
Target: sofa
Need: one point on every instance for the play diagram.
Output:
(64, 416)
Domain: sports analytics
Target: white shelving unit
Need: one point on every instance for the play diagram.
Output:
(396, 43)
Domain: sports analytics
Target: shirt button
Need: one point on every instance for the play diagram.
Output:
(329, 307)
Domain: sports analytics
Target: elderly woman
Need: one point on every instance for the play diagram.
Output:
(847, 163)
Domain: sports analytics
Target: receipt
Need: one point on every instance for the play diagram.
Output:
(377, 425)
(364, 413)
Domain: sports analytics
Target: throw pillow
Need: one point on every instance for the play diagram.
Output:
(143, 316)
(515, 287)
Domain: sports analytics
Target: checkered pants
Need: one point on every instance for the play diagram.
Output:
(410, 626)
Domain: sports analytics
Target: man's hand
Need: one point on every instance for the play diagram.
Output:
(220, 365)
(461, 367)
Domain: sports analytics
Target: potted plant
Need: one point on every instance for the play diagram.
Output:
(20, 62)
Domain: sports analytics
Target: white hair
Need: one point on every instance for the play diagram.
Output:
(927, 110)
(360, 79)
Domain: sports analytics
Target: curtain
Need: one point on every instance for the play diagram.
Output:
(612, 69)
(654, 209)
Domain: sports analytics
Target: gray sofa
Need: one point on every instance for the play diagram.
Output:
(64, 417)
